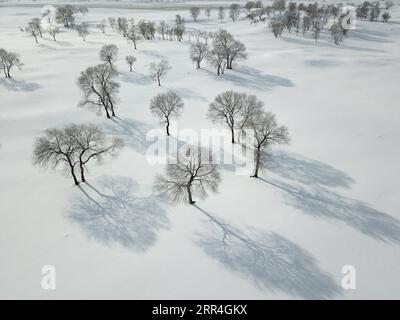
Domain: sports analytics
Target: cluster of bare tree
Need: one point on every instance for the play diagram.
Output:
(234, 12)
(241, 111)
(65, 14)
(372, 10)
(98, 84)
(311, 18)
(146, 30)
(73, 147)
(225, 50)
(8, 60)
(194, 173)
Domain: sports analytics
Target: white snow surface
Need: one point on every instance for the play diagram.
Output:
(330, 199)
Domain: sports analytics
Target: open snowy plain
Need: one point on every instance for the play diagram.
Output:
(329, 199)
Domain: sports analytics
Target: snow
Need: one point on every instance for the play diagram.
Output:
(330, 198)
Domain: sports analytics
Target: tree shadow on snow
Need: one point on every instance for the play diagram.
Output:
(187, 93)
(19, 86)
(112, 213)
(307, 171)
(250, 78)
(267, 259)
(136, 78)
(133, 133)
(152, 53)
(306, 187)
(320, 202)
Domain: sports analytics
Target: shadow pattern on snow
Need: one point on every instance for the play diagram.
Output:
(136, 78)
(269, 260)
(307, 171)
(19, 86)
(321, 202)
(133, 132)
(250, 78)
(112, 213)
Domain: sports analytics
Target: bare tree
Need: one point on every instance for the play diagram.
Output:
(217, 58)
(73, 146)
(385, 16)
(122, 26)
(197, 34)
(99, 88)
(34, 28)
(134, 34)
(130, 60)
(227, 108)
(234, 11)
(108, 53)
(66, 15)
(159, 70)
(266, 132)
(194, 12)
(191, 175)
(221, 13)
(232, 49)
(102, 25)
(92, 144)
(179, 27)
(8, 60)
(162, 29)
(336, 33)
(53, 30)
(36, 23)
(250, 110)
(237, 51)
(277, 25)
(166, 106)
(316, 31)
(83, 30)
(207, 12)
(112, 22)
(198, 51)
(33, 31)
(249, 5)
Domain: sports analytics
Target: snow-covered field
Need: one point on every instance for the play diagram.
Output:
(330, 199)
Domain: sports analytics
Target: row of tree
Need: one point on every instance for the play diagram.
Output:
(234, 12)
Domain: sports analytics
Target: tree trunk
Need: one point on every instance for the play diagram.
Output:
(107, 113)
(82, 172)
(167, 127)
(189, 191)
(159, 83)
(232, 134)
(73, 173)
(257, 167)
(198, 64)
